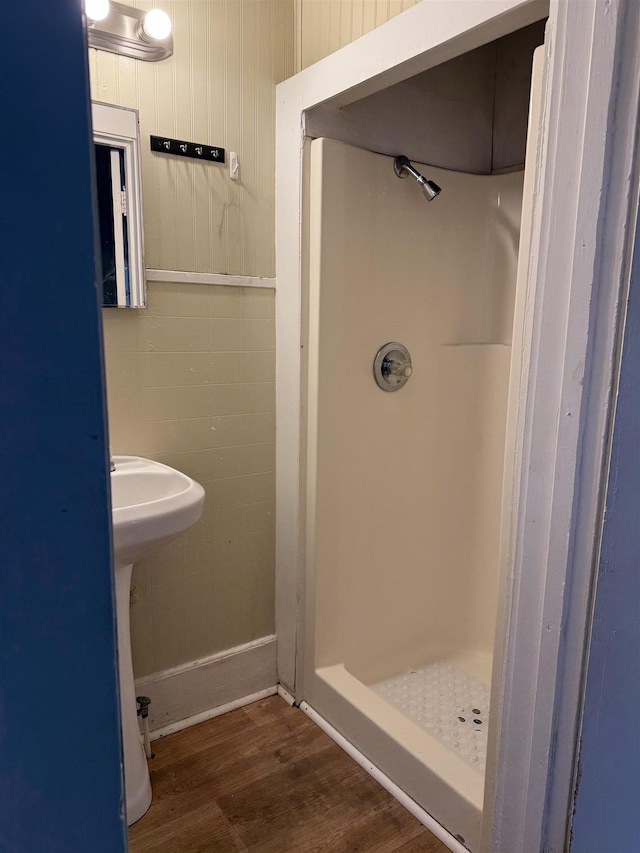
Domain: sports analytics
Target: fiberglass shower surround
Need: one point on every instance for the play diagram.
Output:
(404, 489)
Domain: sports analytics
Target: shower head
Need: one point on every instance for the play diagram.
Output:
(430, 189)
(402, 167)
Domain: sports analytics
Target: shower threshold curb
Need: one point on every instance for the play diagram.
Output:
(397, 793)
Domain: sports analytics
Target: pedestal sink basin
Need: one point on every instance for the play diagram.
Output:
(150, 505)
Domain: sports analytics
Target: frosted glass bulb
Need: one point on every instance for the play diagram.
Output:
(157, 24)
(96, 10)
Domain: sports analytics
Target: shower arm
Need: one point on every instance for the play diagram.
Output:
(402, 164)
(402, 167)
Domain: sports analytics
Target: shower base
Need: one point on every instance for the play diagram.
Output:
(443, 780)
(448, 703)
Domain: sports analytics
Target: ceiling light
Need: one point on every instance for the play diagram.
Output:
(157, 25)
(130, 32)
(96, 10)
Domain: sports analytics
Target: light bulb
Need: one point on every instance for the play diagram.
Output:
(157, 24)
(96, 10)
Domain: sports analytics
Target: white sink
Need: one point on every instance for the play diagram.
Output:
(150, 505)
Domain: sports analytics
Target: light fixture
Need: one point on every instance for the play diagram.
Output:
(130, 32)
(157, 25)
(96, 10)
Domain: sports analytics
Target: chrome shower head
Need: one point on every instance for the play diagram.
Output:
(402, 167)
(429, 188)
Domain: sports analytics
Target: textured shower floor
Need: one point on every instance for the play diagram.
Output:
(448, 703)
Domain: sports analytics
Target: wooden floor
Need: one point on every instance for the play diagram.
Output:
(265, 778)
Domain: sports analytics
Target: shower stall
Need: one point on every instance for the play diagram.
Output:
(435, 538)
(404, 488)
(411, 293)
(411, 336)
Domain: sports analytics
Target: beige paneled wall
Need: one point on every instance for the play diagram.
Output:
(191, 383)
(191, 377)
(217, 88)
(324, 26)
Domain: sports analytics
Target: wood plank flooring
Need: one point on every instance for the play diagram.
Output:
(266, 779)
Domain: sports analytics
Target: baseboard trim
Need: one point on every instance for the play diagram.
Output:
(283, 693)
(207, 687)
(397, 793)
(185, 277)
(172, 728)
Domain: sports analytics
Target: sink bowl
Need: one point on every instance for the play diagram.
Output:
(151, 504)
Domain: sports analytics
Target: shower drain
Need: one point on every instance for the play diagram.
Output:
(446, 702)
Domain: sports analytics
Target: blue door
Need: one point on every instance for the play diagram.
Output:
(60, 754)
(607, 817)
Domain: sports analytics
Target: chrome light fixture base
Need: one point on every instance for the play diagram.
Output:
(122, 32)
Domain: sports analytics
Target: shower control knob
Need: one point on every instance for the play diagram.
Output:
(396, 368)
(392, 367)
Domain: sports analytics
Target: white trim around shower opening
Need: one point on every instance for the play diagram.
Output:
(584, 205)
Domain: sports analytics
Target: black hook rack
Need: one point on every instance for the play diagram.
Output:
(196, 150)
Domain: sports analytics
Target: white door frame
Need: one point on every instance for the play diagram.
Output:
(584, 202)
(579, 265)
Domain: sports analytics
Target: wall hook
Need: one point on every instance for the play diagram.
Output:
(186, 149)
